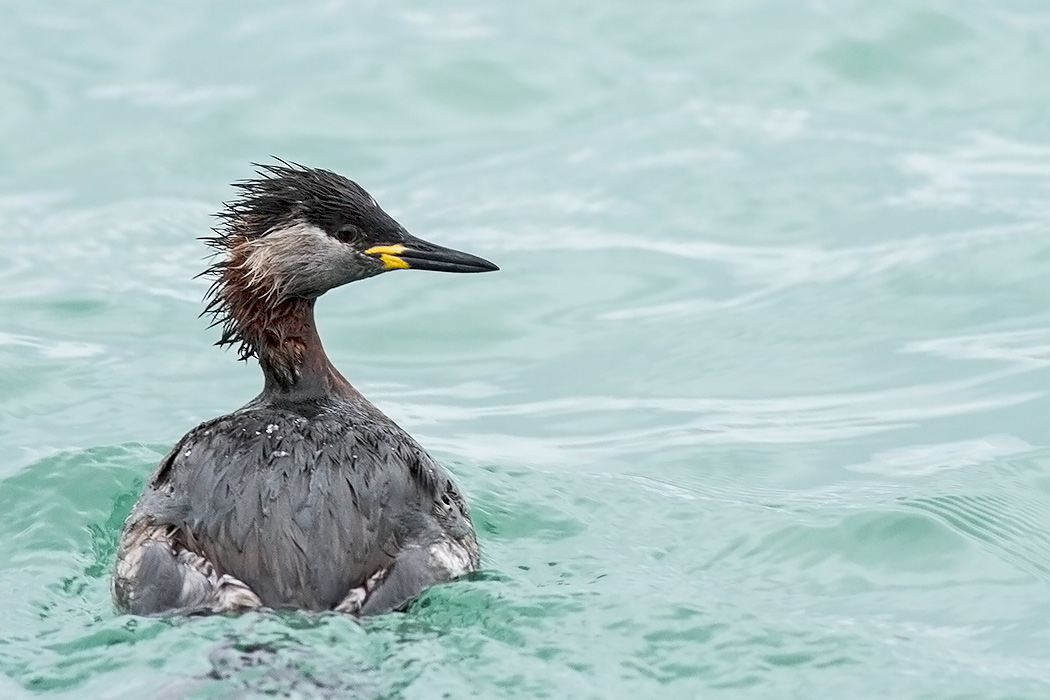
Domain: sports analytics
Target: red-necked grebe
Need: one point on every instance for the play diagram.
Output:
(307, 497)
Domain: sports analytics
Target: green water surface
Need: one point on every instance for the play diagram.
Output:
(757, 406)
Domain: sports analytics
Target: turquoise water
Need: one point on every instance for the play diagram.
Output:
(757, 406)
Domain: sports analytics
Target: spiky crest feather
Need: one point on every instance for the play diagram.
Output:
(280, 196)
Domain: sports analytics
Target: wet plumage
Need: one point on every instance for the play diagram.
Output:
(308, 496)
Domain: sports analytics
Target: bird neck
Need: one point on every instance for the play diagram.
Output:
(292, 358)
(279, 331)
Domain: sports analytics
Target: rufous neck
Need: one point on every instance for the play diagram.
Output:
(290, 352)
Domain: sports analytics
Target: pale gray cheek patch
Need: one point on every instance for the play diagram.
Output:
(302, 261)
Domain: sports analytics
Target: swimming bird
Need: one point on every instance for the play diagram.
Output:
(308, 497)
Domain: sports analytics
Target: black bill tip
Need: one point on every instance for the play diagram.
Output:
(417, 254)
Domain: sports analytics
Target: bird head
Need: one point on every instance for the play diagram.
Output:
(296, 232)
(299, 232)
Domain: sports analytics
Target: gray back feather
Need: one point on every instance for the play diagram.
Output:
(302, 503)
